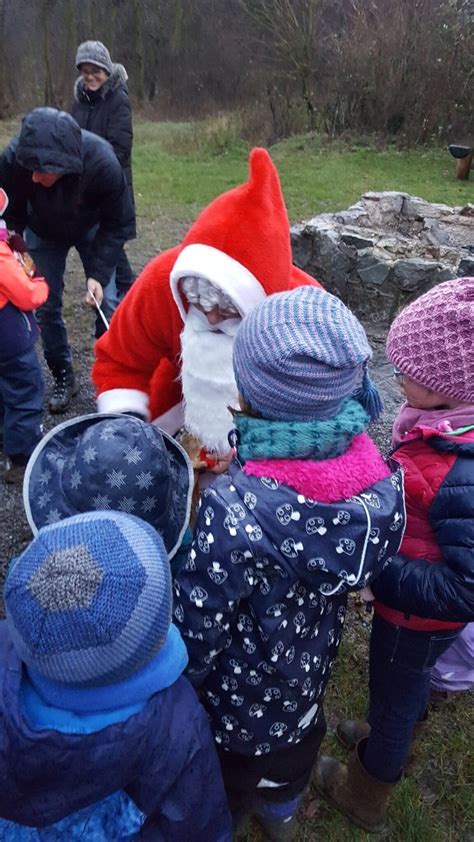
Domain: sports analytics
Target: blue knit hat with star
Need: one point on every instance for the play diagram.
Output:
(113, 462)
(88, 605)
(299, 354)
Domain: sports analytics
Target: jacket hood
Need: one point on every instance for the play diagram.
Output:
(118, 78)
(332, 547)
(50, 141)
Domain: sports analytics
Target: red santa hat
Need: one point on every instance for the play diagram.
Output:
(241, 241)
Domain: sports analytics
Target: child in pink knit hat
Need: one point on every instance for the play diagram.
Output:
(425, 595)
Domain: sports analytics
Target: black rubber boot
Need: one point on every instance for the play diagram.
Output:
(64, 389)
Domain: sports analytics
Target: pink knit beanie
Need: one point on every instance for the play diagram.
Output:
(432, 340)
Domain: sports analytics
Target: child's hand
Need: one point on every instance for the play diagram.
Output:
(216, 464)
(367, 595)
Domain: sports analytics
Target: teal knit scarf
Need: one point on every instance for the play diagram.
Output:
(263, 439)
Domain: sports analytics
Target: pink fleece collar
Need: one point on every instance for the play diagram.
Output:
(329, 480)
(410, 419)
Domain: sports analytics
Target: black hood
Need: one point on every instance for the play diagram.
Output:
(50, 141)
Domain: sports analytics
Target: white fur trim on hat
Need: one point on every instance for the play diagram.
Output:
(124, 400)
(223, 271)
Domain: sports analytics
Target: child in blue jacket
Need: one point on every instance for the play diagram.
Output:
(101, 737)
(308, 512)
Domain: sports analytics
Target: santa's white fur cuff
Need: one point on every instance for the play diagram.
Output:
(124, 400)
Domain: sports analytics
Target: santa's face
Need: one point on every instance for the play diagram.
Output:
(216, 315)
(207, 373)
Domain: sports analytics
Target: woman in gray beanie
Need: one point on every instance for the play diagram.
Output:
(102, 106)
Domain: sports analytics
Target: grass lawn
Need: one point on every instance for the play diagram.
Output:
(176, 172)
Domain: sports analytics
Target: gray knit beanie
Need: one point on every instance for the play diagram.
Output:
(94, 52)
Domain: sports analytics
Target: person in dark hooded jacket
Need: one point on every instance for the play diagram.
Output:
(102, 106)
(66, 188)
(308, 511)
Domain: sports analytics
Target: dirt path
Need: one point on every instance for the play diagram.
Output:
(14, 530)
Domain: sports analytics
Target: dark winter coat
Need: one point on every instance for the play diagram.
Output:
(432, 578)
(92, 191)
(262, 599)
(107, 113)
(163, 757)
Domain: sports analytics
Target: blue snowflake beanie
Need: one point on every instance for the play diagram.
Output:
(299, 354)
(110, 462)
(88, 604)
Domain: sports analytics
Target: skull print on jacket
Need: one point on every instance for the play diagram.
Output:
(261, 600)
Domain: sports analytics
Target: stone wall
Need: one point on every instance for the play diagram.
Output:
(386, 249)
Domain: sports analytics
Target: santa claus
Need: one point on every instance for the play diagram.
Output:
(168, 353)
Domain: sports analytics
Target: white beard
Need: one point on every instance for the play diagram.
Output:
(208, 381)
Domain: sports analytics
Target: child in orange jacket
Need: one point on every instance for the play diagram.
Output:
(21, 379)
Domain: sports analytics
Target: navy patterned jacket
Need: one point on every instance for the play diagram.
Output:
(262, 598)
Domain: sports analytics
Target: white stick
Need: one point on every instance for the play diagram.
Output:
(101, 314)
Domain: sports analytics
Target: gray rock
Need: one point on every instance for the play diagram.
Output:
(466, 268)
(417, 274)
(385, 249)
(357, 241)
(371, 270)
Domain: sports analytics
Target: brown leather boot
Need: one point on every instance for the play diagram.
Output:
(350, 731)
(355, 793)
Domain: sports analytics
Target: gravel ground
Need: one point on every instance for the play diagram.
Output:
(14, 529)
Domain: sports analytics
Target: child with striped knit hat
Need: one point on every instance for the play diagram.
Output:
(308, 511)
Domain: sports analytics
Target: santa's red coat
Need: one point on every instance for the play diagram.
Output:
(141, 350)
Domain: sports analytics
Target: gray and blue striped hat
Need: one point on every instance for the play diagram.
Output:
(299, 354)
(89, 602)
(110, 462)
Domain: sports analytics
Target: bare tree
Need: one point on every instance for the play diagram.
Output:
(139, 51)
(46, 8)
(401, 68)
(4, 97)
(292, 25)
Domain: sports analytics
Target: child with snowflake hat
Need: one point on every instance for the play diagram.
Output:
(308, 512)
(102, 738)
(113, 462)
